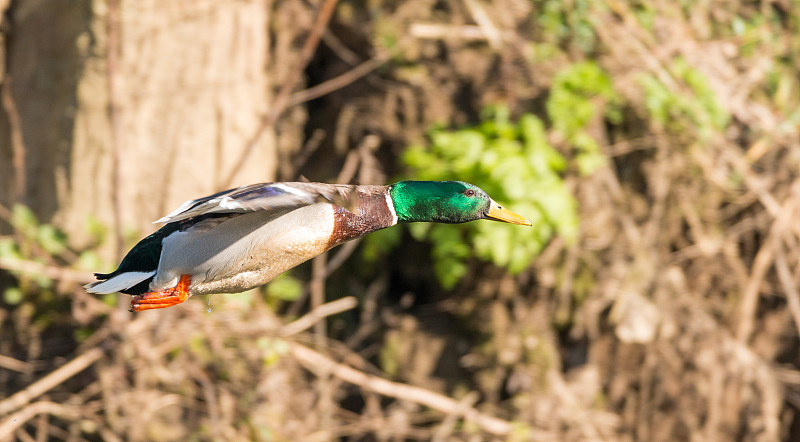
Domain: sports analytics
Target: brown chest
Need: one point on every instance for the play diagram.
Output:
(373, 213)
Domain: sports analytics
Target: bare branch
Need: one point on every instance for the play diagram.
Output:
(17, 144)
(314, 316)
(10, 363)
(52, 272)
(761, 264)
(436, 31)
(487, 27)
(789, 286)
(328, 86)
(17, 420)
(50, 381)
(318, 363)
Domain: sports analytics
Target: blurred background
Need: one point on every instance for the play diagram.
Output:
(654, 144)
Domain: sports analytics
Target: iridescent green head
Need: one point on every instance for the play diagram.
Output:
(446, 202)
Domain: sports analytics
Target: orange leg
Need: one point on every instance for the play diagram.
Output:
(162, 299)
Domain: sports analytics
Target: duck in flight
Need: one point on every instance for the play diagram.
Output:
(242, 238)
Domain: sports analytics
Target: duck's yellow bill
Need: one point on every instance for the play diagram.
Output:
(499, 213)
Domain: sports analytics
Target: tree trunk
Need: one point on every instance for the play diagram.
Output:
(128, 107)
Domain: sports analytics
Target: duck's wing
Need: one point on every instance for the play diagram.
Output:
(266, 196)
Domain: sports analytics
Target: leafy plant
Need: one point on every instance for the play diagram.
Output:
(38, 243)
(693, 106)
(580, 93)
(567, 23)
(513, 162)
(32, 241)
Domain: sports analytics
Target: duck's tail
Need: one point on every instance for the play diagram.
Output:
(112, 283)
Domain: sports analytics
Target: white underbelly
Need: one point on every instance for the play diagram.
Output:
(246, 251)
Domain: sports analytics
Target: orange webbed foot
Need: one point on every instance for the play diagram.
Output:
(164, 298)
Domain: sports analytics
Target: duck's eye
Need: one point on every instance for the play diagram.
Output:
(469, 192)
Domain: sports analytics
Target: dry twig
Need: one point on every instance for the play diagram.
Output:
(761, 265)
(50, 381)
(17, 420)
(17, 143)
(789, 286)
(10, 363)
(435, 31)
(52, 272)
(338, 82)
(445, 429)
(320, 364)
(317, 314)
(485, 23)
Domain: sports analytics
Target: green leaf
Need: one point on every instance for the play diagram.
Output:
(573, 98)
(697, 111)
(285, 287)
(380, 243)
(9, 249)
(51, 240)
(589, 157)
(450, 253)
(24, 221)
(89, 260)
(12, 295)
(96, 228)
(419, 231)
(272, 349)
(389, 355)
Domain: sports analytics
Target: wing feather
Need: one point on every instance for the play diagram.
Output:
(266, 196)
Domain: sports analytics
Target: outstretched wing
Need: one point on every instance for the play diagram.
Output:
(266, 196)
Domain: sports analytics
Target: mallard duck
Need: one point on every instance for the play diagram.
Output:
(242, 238)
